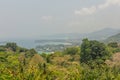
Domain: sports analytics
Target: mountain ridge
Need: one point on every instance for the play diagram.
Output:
(114, 38)
(97, 35)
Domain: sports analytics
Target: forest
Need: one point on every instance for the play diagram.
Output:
(92, 60)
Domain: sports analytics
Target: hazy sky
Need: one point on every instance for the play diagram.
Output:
(32, 18)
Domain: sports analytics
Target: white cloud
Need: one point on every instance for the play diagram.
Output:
(86, 11)
(109, 3)
(46, 18)
(93, 9)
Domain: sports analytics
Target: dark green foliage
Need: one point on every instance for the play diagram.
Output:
(93, 51)
(116, 50)
(2, 59)
(22, 49)
(113, 44)
(44, 68)
(72, 51)
(44, 55)
(30, 53)
(12, 46)
(2, 49)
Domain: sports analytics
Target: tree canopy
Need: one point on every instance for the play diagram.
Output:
(92, 50)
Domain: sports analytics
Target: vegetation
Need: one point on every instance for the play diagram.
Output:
(72, 50)
(114, 38)
(113, 44)
(93, 51)
(93, 60)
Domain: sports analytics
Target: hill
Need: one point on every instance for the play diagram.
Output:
(103, 34)
(71, 37)
(114, 38)
(97, 35)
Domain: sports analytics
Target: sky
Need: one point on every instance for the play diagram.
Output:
(35, 18)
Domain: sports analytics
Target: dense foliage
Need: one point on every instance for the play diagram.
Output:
(113, 44)
(75, 63)
(92, 51)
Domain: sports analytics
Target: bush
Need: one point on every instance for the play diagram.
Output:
(12, 46)
(72, 50)
(113, 44)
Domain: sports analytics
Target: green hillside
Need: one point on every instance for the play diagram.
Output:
(115, 38)
(92, 60)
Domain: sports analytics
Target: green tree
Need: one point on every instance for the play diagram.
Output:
(72, 50)
(113, 44)
(30, 53)
(93, 51)
(2, 49)
(12, 46)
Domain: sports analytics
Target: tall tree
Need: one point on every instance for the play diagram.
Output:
(12, 46)
(92, 51)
